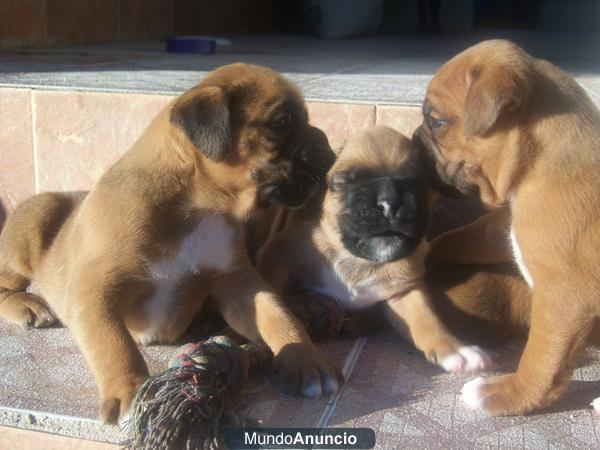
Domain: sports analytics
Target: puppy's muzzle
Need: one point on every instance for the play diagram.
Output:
(292, 180)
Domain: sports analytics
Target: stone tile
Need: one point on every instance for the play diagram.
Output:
(43, 373)
(411, 403)
(23, 23)
(31, 440)
(45, 383)
(145, 18)
(77, 21)
(17, 180)
(79, 135)
(339, 121)
(402, 118)
(406, 89)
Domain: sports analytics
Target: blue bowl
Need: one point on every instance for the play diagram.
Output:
(192, 44)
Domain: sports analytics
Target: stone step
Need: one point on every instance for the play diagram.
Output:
(64, 140)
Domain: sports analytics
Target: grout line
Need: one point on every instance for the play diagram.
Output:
(158, 92)
(320, 76)
(33, 106)
(35, 413)
(349, 365)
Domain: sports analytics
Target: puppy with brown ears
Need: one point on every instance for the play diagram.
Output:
(162, 235)
(365, 245)
(525, 137)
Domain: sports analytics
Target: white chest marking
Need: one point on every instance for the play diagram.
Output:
(332, 284)
(208, 246)
(519, 258)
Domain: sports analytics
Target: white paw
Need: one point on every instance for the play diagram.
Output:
(311, 389)
(596, 405)
(467, 359)
(330, 386)
(124, 420)
(471, 393)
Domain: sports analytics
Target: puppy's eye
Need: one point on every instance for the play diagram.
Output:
(282, 122)
(436, 124)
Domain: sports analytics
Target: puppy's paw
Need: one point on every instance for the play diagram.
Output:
(303, 369)
(466, 359)
(497, 396)
(596, 405)
(27, 310)
(114, 406)
(472, 393)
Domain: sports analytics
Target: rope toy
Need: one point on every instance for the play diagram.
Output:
(189, 405)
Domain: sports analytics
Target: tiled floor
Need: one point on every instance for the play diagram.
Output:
(394, 69)
(390, 388)
(67, 114)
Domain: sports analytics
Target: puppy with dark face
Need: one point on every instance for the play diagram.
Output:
(364, 244)
(162, 234)
(381, 217)
(524, 136)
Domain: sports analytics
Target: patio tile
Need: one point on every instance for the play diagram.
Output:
(339, 121)
(402, 118)
(29, 440)
(411, 403)
(17, 180)
(80, 135)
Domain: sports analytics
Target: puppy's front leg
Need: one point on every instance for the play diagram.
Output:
(560, 331)
(251, 308)
(413, 316)
(117, 365)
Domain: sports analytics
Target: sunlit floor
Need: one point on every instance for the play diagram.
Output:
(44, 382)
(389, 69)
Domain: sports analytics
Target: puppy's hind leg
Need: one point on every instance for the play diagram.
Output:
(26, 237)
(560, 330)
(20, 307)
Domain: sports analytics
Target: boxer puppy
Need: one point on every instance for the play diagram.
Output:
(162, 232)
(366, 244)
(524, 136)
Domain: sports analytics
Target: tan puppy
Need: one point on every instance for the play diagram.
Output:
(136, 259)
(366, 244)
(525, 137)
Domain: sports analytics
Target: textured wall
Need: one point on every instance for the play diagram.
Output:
(26, 23)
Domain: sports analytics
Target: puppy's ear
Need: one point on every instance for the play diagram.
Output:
(203, 114)
(493, 92)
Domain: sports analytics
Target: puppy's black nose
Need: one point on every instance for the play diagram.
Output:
(388, 200)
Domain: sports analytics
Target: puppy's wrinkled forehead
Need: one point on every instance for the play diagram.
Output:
(450, 86)
(447, 91)
(258, 92)
(379, 150)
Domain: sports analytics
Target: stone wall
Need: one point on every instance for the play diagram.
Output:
(30, 23)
